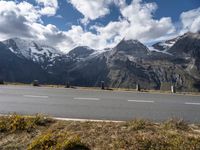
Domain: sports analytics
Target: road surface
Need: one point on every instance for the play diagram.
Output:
(94, 104)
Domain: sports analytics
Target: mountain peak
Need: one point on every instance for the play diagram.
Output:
(31, 50)
(81, 52)
(131, 47)
(187, 45)
(192, 35)
(129, 42)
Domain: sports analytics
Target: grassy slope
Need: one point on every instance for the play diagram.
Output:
(18, 132)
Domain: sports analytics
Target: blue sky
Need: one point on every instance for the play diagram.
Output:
(66, 24)
(166, 8)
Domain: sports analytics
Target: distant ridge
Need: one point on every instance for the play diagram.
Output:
(175, 61)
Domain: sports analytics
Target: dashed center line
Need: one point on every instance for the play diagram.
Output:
(90, 99)
(141, 101)
(188, 103)
(35, 96)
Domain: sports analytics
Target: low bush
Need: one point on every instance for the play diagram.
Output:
(41, 120)
(17, 122)
(57, 141)
(43, 142)
(20, 123)
(3, 124)
(175, 124)
(150, 142)
(137, 124)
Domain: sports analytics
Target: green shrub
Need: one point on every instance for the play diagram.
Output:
(41, 120)
(3, 125)
(177, 140)
(18, 123)
(137, 124)
(57, 141)
(150, 142)
(175, 124)
(44, 142)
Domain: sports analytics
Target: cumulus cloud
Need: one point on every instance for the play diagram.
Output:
(23, 20)
(137, 23)
(24, 8)
(49, 7)
(15, 19)
(93, 9)
(142, 25)
(191, 20)
(81, 37)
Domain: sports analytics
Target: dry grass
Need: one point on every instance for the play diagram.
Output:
(18, 132)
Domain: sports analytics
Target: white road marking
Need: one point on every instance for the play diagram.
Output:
(69, 119)
(35, 96)
(188, 103)
(85, 120)
(141, 101)
(90, 99)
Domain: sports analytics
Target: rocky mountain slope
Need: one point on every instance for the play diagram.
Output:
(128, 63)
(16, 69)
(34, 51)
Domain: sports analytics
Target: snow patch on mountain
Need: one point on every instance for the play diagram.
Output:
(32, 50)
(152, 49)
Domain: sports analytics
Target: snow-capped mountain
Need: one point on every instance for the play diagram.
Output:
(132, 47)
(16, 69)
(163, 46)
(187, 45)
(32, 50)
(174, 61)
(81, 52)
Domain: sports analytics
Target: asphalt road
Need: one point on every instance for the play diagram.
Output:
(101, 105)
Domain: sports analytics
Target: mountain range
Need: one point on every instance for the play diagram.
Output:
(175, 61)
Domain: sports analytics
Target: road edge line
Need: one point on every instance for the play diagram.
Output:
(70, 119)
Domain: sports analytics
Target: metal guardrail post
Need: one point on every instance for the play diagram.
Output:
(1, 82)
(138, 87)
(67, 85)
(173, 89)
(102, 85)
(35, 83)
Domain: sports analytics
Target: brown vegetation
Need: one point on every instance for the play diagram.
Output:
(39, 132)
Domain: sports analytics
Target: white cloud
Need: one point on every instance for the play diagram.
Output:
(93, 9)
(191, 20)
(15, 20)
(23, 20)
(137, 23)
(24, 8)
(142, 25)
(49, 7)
(59, 16)
(80, 37)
